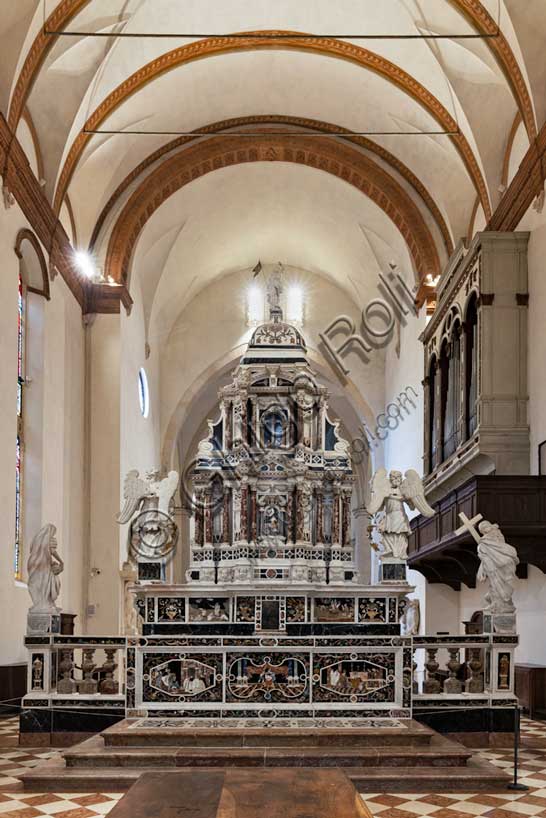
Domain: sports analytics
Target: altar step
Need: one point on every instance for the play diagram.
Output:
(143, 733)
(94, 754)
(412, 758)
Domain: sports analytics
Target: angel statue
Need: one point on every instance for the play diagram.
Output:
(389, 493)
(147, 506)
(44, 566)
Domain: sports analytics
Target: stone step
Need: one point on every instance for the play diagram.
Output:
(475, 777)
(93, 753)
(129, 733)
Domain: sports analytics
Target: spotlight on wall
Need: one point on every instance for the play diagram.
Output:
(86, 265)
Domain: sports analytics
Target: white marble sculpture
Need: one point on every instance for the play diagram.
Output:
(138, 490)
(44, 566)
(411, 618)
(275, 288)
(498, 562)
(129, 576)
(389, 493)
(498, 566)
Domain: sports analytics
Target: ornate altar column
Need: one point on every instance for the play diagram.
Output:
(253, 515)
(208, 516)
(199, 518)
(226, 508)
(244, 512)
(336, 517)
(299, 514)
(228, 437)
(319, 523)
(290, 517)
(239, 420)
(346, 517)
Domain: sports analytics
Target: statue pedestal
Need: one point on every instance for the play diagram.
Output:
(43, 623)
(499, 622)
(392, 570)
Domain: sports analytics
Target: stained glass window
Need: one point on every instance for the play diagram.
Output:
(19, 440)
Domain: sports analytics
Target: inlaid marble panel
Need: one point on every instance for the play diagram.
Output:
(353, 677)
(170, 677)
(267, 677)
(334, 609)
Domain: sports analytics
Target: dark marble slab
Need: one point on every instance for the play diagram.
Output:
(467, 720)
(236, 793)
(198, 629)
(342, 628)
(83, 720)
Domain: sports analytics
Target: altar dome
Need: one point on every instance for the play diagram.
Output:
(275, 342)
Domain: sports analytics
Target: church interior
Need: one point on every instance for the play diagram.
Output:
(273, 408)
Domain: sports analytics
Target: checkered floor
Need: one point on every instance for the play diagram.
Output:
(14, 803)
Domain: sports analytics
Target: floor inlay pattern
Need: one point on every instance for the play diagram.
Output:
(14, 803)
(241, 724)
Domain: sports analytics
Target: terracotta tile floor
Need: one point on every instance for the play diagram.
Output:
(14, 803)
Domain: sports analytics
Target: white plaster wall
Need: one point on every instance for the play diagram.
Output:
(62, 492)
(139, 436)
(101, 571)
(403, 446)
(536, 330)
(62, 436)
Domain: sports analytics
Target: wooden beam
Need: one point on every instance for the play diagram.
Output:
(20, 181)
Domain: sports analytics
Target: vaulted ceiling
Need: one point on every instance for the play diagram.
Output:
(334, 136)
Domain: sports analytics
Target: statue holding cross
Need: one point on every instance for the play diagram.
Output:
(498, 561)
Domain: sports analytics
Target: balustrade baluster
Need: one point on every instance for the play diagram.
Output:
(66, 683)
(431, 683)
(108, 684)
(474, 683)
(452, 684)
(88, 684)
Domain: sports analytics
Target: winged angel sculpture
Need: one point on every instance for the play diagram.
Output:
(147, 506)
(389, 493)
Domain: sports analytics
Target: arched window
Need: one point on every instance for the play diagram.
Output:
(143, 393)
(19, 441)
(33, 290)
(471, 368)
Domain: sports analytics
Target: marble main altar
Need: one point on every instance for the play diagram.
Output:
(273, 619)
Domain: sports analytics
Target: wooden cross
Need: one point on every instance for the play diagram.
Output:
(468, 525)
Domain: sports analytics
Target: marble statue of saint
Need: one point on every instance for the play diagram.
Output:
(389, 493)
(411, 618)
(44, 566)
(498, 566)
(274, 289)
